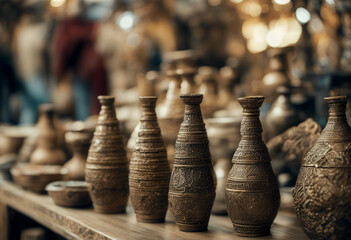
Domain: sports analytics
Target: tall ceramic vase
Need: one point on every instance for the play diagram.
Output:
(47, 151)
(107, 165)
(149, 170)
(192, 185)
(322, 194)
(252, 192)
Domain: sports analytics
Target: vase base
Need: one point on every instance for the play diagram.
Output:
(252, 231)
(149, 219)
(192, 227)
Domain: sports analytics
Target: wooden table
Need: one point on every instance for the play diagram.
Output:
(86, 224)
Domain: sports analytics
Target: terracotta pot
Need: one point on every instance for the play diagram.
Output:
(47, 150)
(107, 165)
(12, 138)
(79, 141)
(252, 192)
(322, 194)
(35, 177)
(69, 193)
(192, 185)
(149, 169)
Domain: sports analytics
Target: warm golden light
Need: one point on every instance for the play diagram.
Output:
(214, 2)
(255, 31)
(256, 45)
(236, 1)
(253, 28)
(281, 2)
(283, 32)
(57, 3)
(252, 9)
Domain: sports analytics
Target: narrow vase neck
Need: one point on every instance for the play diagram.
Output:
(337, 116)
(251, 127)
(192, 113)
(250, 124)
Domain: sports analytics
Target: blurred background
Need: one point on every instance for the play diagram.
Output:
(70, 51)
(67, 52)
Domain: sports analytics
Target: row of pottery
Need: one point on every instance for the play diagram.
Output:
(322, 195)
(189, 189)
(47, 157)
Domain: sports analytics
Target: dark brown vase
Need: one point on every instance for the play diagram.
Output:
(149, 170)
(79, 142)
(322, 194)
(107, 165)
(252, 192)
(282, 114)
(192, 185)
(47, 151)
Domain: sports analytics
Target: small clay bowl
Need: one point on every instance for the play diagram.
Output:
(35, 177)
(69, 193)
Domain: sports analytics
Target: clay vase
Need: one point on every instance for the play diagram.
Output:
(282, 114)
(149, 170)
(79, 142)
(208, 88)
(170, 114)
(277, 73)
(224, 137)
(252, 192)
(192, 185)
(47, 151)
(322, 194)
(107, 166)
(188, 84)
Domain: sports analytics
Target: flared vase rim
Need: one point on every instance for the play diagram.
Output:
(336, 99)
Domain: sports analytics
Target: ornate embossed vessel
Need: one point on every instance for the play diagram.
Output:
(79, 141)
(107, 165)
(192, 187)
(322, 194)
(47, 150)
(252, 192)
(149, 170)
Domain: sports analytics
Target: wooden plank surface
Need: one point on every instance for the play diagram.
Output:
(86, 224)
(4, 221)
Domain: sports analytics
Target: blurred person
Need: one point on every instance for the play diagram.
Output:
(9, 16)
(76, 61)
(29, 47)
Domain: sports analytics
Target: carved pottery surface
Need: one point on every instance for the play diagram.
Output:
(192, 185)
(107, 165)
(252, 193)
(322, 194)
(149, 170)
